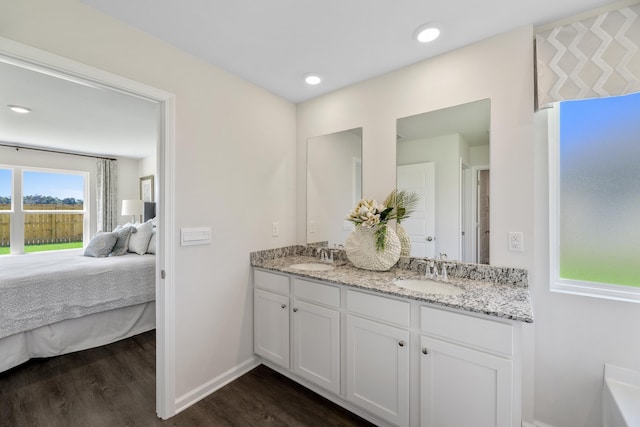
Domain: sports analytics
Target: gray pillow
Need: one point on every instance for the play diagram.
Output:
(139, 241)
(122, 244)
(101, 245)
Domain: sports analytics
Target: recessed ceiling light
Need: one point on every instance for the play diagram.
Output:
(427, 33)
(312, 79)
(19, 109)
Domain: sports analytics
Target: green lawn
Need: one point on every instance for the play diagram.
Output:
(42, 248)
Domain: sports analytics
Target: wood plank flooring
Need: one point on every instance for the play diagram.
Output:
(114, 386)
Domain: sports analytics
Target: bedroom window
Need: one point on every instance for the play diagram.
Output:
(6, 187)
(53, 206)
(595, 197)
(42, 209)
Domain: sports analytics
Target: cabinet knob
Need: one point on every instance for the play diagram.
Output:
(424, 350)
(284, 306)
(401, 343)
(295, 310)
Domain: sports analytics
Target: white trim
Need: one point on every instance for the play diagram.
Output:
(213, 385)
(475, 220)
(535, 424)
(41, 61)
(558, 284)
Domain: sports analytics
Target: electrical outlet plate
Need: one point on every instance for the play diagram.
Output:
(275, 229)
(516, 243)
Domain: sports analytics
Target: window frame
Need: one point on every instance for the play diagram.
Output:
(558, 284)
(17, 212)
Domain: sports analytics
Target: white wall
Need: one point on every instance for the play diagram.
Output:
(575, 335)
(127, 173)
(501, 69)
(234, 171)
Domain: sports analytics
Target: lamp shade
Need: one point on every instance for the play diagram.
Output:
(132, 207)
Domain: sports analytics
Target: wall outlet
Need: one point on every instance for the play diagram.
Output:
(312, 227)
(275, 229)
(516, 243)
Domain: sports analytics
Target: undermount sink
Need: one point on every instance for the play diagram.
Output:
(428, 286)
(312, 266)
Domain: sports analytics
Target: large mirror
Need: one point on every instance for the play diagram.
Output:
(443, 156)
(334, 185)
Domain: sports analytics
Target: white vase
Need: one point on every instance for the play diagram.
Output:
(405, 240)
(360, 248)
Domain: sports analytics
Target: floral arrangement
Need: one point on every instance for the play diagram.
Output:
(369, 214)
(404, 202)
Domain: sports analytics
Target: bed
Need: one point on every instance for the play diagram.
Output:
(53, 303)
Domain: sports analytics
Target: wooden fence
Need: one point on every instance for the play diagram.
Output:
(45, 228)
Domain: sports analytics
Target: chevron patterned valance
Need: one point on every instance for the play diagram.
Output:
(593, 58)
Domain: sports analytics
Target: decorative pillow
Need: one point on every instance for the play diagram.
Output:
(122, 244)
(152, 243)
(139, 241)
(101, 245)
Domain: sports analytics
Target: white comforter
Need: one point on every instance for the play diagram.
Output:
(38, 289)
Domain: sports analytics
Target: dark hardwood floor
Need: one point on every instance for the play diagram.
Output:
(114, 386)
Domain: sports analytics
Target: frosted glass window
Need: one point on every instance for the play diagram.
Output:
(595, 216)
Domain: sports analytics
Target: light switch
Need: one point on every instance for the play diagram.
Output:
(195, 236)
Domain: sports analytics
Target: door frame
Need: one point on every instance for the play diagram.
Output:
(39, 60)
(475, 207)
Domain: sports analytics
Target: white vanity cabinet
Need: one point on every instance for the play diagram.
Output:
(466, 371)
(394, 361)
(316, 333)
(271, 317)
(378, 356)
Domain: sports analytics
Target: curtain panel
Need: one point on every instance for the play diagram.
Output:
(106, 195)
(592, 58)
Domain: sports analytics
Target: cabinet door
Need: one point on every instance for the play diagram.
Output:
(378, 369)
(316, 344)
(271, 326)
(463, 387)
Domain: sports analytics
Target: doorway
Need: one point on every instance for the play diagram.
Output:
(44, 62)
(484, 216)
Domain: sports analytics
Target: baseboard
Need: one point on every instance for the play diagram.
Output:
(199, 393)
(535, 424)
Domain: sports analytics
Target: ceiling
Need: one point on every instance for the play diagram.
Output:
(471, 121)
(270, 43)
(74, 116)
(275, 43)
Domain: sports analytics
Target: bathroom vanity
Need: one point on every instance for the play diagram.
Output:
(394, 355)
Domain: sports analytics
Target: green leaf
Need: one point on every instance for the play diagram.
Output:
(381, 234)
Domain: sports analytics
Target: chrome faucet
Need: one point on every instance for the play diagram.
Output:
(429, 268)
(326, 255)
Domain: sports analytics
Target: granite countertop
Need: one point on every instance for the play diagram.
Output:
(493, 298)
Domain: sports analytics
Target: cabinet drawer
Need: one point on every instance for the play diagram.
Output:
(381, 308)
(270, 281)
(316, 292)
(485, 334)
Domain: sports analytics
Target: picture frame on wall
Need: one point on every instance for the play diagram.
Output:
(146, 188)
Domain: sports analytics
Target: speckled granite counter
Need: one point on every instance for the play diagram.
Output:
(495, 291)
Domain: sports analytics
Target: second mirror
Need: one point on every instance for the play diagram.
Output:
(443, 156)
